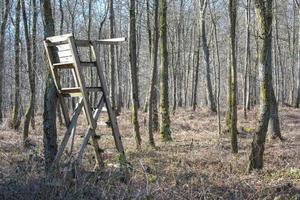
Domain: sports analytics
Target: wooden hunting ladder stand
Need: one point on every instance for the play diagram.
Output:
(62, 52)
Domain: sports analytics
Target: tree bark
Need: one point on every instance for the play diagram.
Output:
(297, 101)
(247, 60)
(50, 96)
(232, 79)
(61, 26)
(165, 130)
(218, 69)
(29, 110)
(264, 17)
(34, 52)
(152, 112)
(16, 109)
(134, 72)
(209, 92)
(112, 55)
(197, 62)
(274, 125)
(2, 47)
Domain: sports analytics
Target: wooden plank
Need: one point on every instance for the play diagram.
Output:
(62, 54)
(70, 90)
(62, 59)
(64, 65)
(72, 95)
(62, 47)
(81, 84)
(112, 117)
(64, 109)
(56, 82)
(68, 132)
(88, 133)
(88, 43)
(112, 41)
(50, 60)
(59, 38)
(97, 150)
(70, 144)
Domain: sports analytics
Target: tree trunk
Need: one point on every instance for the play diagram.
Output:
(218, 69)
(119, 81)
(165, 130)
(16, 109)
(274, 125)
(179, 50)
(112, 55)
(174, 73)
(50, 97)
(34, 47)
(2, 47)
(197, 62)
(264, 14)
(232, 79)
(134, 72)
(297, 101)
(61, 26)
(209, 92)
(247, 59)
(28, 113)
(152, 112)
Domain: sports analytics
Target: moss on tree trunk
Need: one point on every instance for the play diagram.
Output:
(231, 119)
(263, 10)
(50, 96)
(16, 108)
(165, 130)
(134, 72)
(152, 111)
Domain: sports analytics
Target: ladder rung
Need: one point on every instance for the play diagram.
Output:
(71, 92)
(88, 64)
(76, 91)
(94, 89)
(64, 65)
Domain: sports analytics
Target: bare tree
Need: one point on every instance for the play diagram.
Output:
(232, 79)
(209, 92)
(152, 111)
(134, 72)
(2, 47)
(165, 130)
(50, 97)
(247, 59)
(112, 92)
(297, 102)
(29, 110)
(264, 15)
(16, 114)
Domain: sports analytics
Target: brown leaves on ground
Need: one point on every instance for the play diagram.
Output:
(196, 165)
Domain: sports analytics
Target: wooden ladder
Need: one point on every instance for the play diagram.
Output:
(62, 53)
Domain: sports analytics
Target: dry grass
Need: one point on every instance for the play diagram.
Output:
(196, 165)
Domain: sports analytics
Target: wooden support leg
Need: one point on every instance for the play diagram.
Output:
(71, 142)
(112, 117)
(71, 127)
(88, 134)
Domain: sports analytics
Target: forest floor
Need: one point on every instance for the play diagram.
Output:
(197, 164)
